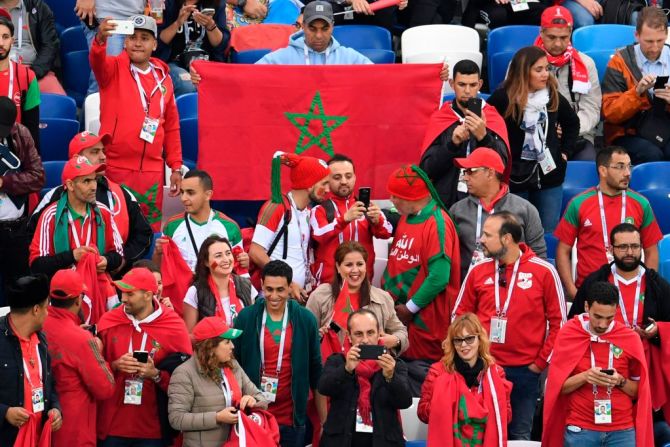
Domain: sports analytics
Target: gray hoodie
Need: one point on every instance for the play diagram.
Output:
(118, 9)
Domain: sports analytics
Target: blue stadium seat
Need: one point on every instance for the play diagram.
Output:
(52, 170)
(378, 56)
(150, 253)
(416, 443)
(651, 176)
(72, 39)
(660, 203)
(244, 212)
(363, 36)
(188, 129)
(55, 136)
(551, 242)
(76, 71)
(507, 39)
(580, 175)
(57, 106)
(601, 59)
(187, 105)
(603, 37)
(664, 257)
(283, 12)
(64, 12)
(249, 56)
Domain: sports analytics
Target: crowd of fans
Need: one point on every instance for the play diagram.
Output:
(278, 330)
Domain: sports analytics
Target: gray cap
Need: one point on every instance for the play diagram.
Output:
(145, 23)
(317, 10)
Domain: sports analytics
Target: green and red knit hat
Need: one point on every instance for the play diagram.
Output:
(305, 172)
(409, 182)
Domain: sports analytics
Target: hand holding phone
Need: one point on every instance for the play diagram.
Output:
(125, 27)
(475, 106)
(208, 12)
(364, 196)
(609, 372)
(141, 356)
(371, 352)
(660, 82)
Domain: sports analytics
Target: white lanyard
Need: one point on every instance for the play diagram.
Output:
(225, 387)
(142, 346)
(325, 60)
(603, 220)
(304, 245)
(355, 222)
(636, 303)
(143, 94)
(20, 30)
(10, 89)
(610, 364)
(39, 365)
(510, 287)
(75, 233)
(478, 231)
(282, 340)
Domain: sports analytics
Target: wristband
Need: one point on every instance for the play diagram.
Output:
(157, 378)
(212, 28)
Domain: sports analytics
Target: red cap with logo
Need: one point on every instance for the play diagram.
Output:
(482, 157)
(139, 278)
(78, 166)
(66, 284)
(84, 140)
(211, 327)
(556, 17)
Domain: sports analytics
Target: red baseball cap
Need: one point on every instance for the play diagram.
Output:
(67, 284)
(78, 166)
(482, 157)
(84, 140)
(211, 327)
(556, 17)
(4, 13)
(139, 278)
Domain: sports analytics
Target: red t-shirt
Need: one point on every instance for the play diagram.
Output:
(31, 360)
(627, 291)
(581, 410)
(282, 408)
(26, 77)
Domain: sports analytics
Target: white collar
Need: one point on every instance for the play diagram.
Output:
(144, 72)
(628, 282)
(584, 320)
(152, 317)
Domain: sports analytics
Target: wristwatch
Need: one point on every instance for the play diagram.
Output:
(183, 169)
(157, 378)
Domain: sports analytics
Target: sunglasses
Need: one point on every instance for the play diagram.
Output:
(469, 340)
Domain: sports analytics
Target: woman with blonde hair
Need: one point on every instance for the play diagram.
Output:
(542, 128)
(465, 395)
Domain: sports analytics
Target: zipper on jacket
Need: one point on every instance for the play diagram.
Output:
(144, 150)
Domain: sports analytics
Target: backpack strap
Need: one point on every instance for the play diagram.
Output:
(329, 206)
(283, 231)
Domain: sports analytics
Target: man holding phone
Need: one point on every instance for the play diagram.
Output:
(457, 129)
(344, 217)
(366, 380)
(598, 362)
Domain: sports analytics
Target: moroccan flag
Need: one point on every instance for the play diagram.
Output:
(177, 275)
(659, 370)
(344, 306)
(377, 115)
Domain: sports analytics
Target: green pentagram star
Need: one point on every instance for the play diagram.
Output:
(306, 138)
(409, 175)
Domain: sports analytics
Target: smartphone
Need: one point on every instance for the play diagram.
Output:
(125, 27)
(95, 22)
(92, 329)
(475, 106)
(660, 82)
(208, 12)
(609, 372)
(371, 352)
(335, 327)
(141, 356)
(364, 196)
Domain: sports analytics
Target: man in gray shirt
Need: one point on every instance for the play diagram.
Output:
(483, 174)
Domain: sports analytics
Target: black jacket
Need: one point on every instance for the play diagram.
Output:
(11, 379)
(526, 174)
(656, 295)
(438, 160)
(45, 38)
(386, 399)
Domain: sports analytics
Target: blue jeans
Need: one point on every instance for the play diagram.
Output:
(181, 80)
(290, 436)
(582, 17)
(591, 438)
(642, 150)
(524, 397)
(117, 441)
(548, 203)
(114, 47)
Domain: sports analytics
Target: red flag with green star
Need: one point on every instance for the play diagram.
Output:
(376, 114)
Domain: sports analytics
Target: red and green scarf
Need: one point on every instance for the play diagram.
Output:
(580, 74)
(62, 227)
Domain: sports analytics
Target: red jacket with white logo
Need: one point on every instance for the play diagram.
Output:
(329, 235)
(537, 299)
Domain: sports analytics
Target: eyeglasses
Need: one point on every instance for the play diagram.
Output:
(470, 171)
(469, 340)
(502, 280)
(625, 247)
(621, 167)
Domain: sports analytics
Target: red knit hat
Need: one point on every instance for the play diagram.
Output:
(407, 184)
(556, 17)
(305, 172)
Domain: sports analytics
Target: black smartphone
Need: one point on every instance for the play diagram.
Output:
(94, 23)
(141, 356)
(371, 352)
(475, 106)
(660, 82)
(335, 327)
(609, 372)
(92, 329)
(364, 196)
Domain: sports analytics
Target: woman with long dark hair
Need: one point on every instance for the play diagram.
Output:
(466, 383)
(542, 128)
(216, 290)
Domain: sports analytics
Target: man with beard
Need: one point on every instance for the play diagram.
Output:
(342, 218)
(515, 295)
(457, 129)
(591, 215)
(282, 231)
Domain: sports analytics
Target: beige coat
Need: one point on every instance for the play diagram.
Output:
(321, 304)
(194, 400)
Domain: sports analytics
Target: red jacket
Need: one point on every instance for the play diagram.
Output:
(122, 114)
(537, 298)
(82, 377)
(329, 235)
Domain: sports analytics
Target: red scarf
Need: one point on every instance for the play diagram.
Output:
(28, 433)
(235, 392)
(659, 369)
(177, 275)
(235, 303)
(504, 189)
(580, 75)
(99, 285)
(364, 372)
(238, 268)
